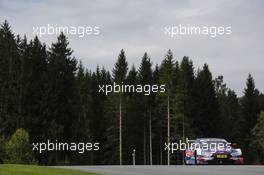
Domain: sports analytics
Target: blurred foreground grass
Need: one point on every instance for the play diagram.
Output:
(8, 169)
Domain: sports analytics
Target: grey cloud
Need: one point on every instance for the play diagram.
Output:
(137, 26)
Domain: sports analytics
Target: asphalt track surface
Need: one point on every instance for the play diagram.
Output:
(173, 170)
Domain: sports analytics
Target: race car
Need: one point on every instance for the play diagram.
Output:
(212, 151)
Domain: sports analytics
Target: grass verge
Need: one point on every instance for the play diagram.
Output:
(8, 169)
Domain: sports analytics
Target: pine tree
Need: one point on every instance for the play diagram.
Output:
(120, 68)
(81, 130)
(119, 76)
(184, 99)
(229, 112)
(249, 102)
(145, 78)
(9, 81)
(206, 107)
(33, 87)
(261, 101)
(98, 130)
(132, 128)
(250, 111)
(158, 122)
(234, 120)
(61, 110)
(167, 78)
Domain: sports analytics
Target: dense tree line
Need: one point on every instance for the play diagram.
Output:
(48, 93)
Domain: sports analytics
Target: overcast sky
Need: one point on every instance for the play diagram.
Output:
(138, 27)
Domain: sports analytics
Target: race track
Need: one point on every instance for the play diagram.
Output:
(173, 170)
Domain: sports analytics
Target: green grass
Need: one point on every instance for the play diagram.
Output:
(7, 169)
